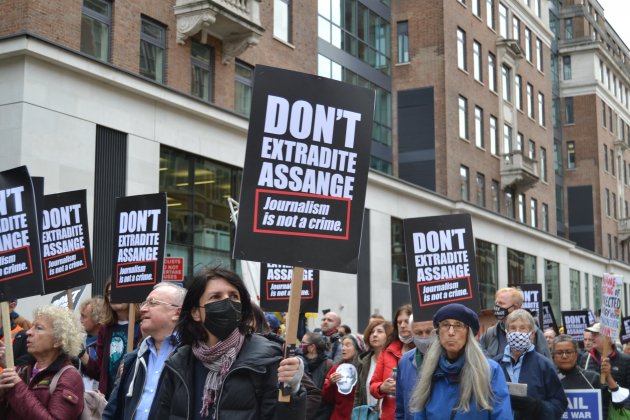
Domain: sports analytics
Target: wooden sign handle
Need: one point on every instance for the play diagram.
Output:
(130, 328)
(292, 320)
(6, 328)
(70, 300)
(605, 353)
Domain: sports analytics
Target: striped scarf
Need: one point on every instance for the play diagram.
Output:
(217, 359)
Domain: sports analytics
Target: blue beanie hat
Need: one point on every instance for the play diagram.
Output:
(458, 312)
(273, 321)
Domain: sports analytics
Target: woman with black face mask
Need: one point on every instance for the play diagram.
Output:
(221, 370)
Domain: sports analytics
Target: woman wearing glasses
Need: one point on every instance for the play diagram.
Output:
(543, 396)
(457, 381)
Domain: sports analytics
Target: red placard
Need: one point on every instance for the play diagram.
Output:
(173, 269)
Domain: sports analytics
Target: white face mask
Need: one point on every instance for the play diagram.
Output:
(423, 343)
(405, 340)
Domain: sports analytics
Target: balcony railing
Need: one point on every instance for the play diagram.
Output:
(518, 170)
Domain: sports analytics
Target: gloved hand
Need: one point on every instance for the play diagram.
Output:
(530, 406)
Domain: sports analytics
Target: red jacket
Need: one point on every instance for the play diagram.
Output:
(343, 404)
(32, 399)
(387, 360)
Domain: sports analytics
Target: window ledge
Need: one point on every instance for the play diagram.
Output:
(282, 41)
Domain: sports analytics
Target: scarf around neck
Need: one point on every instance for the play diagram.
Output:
(217, 359)
(449, 370)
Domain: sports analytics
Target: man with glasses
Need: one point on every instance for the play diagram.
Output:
(133, 395)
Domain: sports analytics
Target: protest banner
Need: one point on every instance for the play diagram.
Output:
(583, 404)
(549, 319)
(611, 305)
(591, 318)
(275, 288)
(532, 299)
(173, 269)
(65, 241)
(305, 173)
(139, 242)
(441, 266)
(575, 322)
(61, 299)
(624, 335)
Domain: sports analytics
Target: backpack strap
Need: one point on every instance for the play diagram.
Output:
(55, 379)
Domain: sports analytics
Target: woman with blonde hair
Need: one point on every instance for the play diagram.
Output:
(457, 381)
(25, 393)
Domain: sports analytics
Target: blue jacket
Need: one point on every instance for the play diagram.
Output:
(543, 384)
(445, 394)
(406, 380)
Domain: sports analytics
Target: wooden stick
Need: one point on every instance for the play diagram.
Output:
(293, 318)
(605, 353)
(70, 300)
(130, 328)
(6, 328)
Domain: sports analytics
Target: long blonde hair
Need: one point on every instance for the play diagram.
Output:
(474, 378)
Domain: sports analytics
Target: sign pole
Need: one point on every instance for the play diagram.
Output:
(605, 353)
(70, 300)
(130, 328)
(6, 328)
(293, 318)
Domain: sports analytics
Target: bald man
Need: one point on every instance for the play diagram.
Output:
(330, 335)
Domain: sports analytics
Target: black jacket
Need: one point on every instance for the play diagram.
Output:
(578, 378)
(619, 367)
(249, 391)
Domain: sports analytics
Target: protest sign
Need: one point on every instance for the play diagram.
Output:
(611, 305)
(305, 173)
(583, 404)
(575, 322)
(65, 242)
(591, 318)
(532, 299)
(20, 264)
(275, 287)
(440, 263)
(624, 335)
(549, 319)
(173, 269)
(139, 242)
(61, 299)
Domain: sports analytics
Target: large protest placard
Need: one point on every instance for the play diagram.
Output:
(65, 236)
(20, 264)
(532, 299)
(549, 319)
(612, 286)
(139, 243)
(583, 404)
(441, 265)
(305, 174)
(61, 299)
(575, 322)
(624, 335)
(275, 288)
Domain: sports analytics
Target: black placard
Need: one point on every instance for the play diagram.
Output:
(532, 299)
(575, 322)
(20, 265)
(549, 319)
(61, 299)
(275, 288)
(65, 241)
(624, 334)
(139, 243)
(305, 173)
(441, 265)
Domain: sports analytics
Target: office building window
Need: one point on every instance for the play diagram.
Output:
(492, 72)
(541, 109)
(402, 29)
(476, 7)
(507, 140)
(506, 81)
(495, 192)
(568, 111)
(566, 67)
(202, 70)
(519, 142)
(603, 114)
(461, 49)
(568, 28)
(528, 44)
(533, 212)
(477, 64)
(539, 55)
(545, 217)
(605, 158)
(609, 246)
(521, 208)
(508, 197)
(243, 86)
(503, 21)
(614, 205)
(543, 164)
(463, 117)
(612, 162)
(152, 46)
(487, 272)
(399, 264)
(481, 190)
(607, 201)
(479, 140)
(570, 155)
(494, 136)
(521, 267)
(530, 101)
(518, 91)
(282, 19)
(464, 174)
(532, 149)
(516, 29)
(96, 22)
(552, 285)
(490, 14)
(538, 9)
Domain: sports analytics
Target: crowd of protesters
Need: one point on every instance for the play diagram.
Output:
(207, 351)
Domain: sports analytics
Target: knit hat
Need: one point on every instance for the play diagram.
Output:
(273, 321)
(358, 342)
(460, 313)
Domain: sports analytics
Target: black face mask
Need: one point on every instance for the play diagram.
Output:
(500, 313)
(222, 317)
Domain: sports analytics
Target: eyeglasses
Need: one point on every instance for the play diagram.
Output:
(152, 302)
(562, 353)
(457, 326)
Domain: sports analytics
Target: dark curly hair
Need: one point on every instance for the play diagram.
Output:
(191, 331)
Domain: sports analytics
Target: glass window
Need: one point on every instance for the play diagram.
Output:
(614, 205)
(518, 91)
(463, 117)
(521, 208)
(243, 86)
(495, 195)
(479, 140)
(570, 155)
(461, 49)
(519, 142)
(490, 14)
(492, 72)
(506, 80)
(509, 203)
(481, 190)
(545, 217)
(541, 109)
(399, 264)
(568, 111)
(487, 272)
(507, 139)
(568, 28)
(607, 201)
(464, 174)
(587, 291)
(538, 9)
(152, 46)
(566, 67)
(494, 136)
(552, 285)
(539, 55)
(202, 59)
(476, 7)
(528, 44)
(503, 21)
(605, 157)
(402, 29)
(543, 164)
(282, 19)
(516, 28)
(521, 267)
(597, 292)
(477, 65)
(532, 149)
(96, 21)
(530, 101)
(533, 212)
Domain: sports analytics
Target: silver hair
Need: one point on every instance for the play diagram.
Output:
(180, 292)
(520, 315)
(474, 378)
(67, 330)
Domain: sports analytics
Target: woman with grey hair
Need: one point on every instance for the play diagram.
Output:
(25, 392)
(542, 396)
(457, 381)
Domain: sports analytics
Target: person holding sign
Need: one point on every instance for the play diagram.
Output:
(538, 393)
(221, 370)
(457, 381)
(55, 337)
